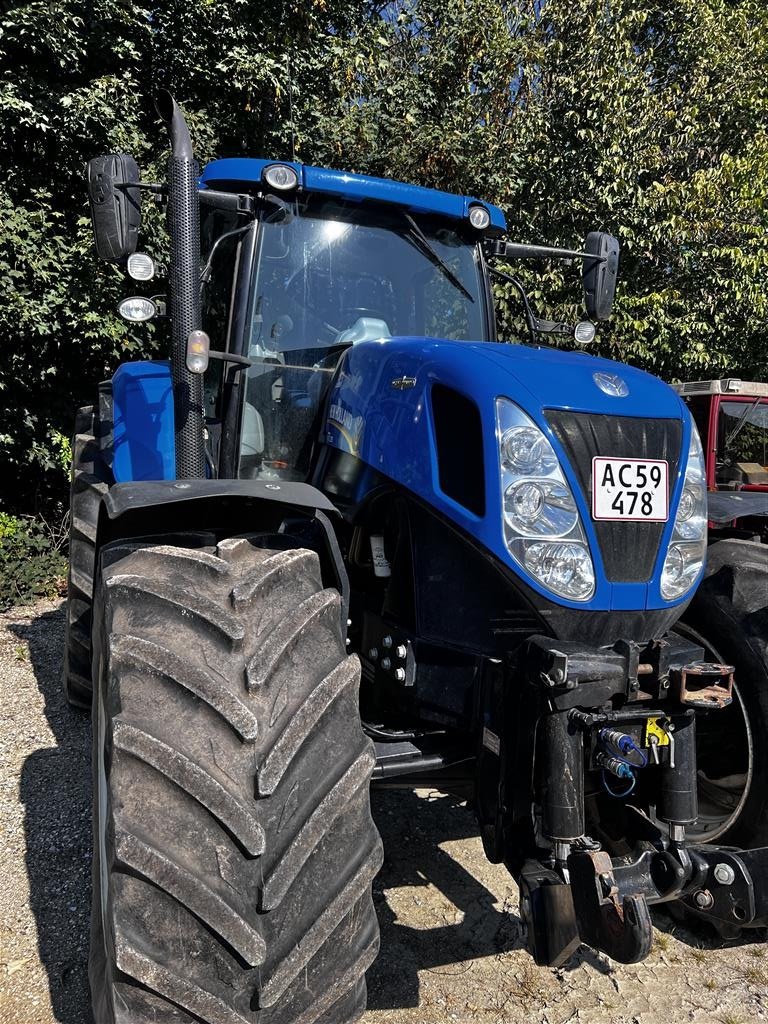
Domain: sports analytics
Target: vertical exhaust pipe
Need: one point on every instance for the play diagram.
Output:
(184, 296)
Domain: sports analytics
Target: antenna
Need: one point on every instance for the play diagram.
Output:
(290, 106)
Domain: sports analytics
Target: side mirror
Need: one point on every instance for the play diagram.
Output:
(115, 205)
(599, 275)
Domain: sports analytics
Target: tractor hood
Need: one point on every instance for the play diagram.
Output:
(577, 381)
(382, 409)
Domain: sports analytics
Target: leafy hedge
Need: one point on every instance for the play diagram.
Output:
(641, 117)
(32, 560)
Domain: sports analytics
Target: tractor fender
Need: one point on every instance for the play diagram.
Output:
(226, 507)
(730, 610)
(725, 506)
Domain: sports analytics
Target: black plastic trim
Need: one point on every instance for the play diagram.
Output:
(127, 497)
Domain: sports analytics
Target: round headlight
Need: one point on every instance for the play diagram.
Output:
(565, 568)
(687, 505)
(523, 503)
(674, 567)
(281, 176)
(540, 508)
(526, 450)
(137, 309)
(479, 217)
(681, 567)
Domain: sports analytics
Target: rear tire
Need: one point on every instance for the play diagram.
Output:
(91, 478)
(234, 848)
(730, 614)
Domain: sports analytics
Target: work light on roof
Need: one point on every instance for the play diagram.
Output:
(479, 217)
(281, 177)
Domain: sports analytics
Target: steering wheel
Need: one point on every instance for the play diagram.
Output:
(376, 314)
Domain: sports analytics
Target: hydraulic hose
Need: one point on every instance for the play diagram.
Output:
(184, 289)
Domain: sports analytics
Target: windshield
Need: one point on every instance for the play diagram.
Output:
(324, 265)
(330, 274)
(742, 443)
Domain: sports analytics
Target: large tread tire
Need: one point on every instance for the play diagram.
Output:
(234, 849)
(91, 478)
(730, 612)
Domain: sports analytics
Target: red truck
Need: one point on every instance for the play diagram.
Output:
(730, 610)
(732, 417)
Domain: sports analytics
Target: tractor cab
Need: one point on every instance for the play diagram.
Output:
(732, 417)
(312, 269)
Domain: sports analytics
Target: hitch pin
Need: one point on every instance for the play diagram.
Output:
(669, 730)
(654, 740)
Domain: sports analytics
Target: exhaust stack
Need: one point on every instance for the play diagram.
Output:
(184, 291)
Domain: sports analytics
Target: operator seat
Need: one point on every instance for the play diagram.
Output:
(285, 396)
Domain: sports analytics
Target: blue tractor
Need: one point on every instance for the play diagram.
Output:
(345, 536)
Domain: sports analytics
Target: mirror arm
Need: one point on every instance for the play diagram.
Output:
(239, 362)
(530, 318)
(146, 186)
(535, 326)
(520, 251)
(553, 327)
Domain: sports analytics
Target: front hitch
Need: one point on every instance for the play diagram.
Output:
(615, 757)
(605, 903)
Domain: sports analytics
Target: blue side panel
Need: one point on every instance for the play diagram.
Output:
(391, 428)
(239, 172)
(144, 439)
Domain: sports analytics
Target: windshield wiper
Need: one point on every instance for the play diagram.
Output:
(742, 422)
(423, 244)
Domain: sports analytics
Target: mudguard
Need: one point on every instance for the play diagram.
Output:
(227, 508)
(725, 506)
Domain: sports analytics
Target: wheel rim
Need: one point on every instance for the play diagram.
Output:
(722, 796)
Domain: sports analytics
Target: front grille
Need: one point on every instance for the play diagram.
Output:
(628, 550)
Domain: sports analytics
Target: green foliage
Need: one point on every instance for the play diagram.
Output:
(640, 117)
(31, 560)
(9, 525)
(658, 117)
(76, 80)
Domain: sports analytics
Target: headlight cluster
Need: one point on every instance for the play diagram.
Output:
(688, 545)
(542, 527)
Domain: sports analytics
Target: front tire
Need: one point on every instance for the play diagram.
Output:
(234, 848)
(91, 478)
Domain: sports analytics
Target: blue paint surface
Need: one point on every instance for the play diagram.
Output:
(144, 440)
(239, 172)
(391, 429)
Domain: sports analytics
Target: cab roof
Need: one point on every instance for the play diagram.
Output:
(238, 173)
(725, 386)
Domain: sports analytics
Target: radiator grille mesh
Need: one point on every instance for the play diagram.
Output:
(628, 550)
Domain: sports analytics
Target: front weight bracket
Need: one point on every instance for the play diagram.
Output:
(617, 925)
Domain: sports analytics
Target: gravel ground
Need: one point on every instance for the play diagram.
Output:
(451, 938)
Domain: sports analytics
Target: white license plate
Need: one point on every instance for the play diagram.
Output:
(630, 489)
